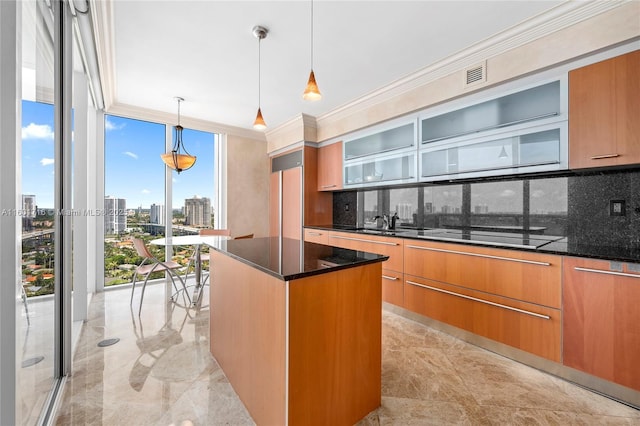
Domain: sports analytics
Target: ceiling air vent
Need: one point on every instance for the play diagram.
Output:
(476, 74)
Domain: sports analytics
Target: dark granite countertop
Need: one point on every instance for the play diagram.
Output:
(289, 259)
(512, 240)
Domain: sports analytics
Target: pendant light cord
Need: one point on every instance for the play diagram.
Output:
(311, 34)
(179, 100)
(259, 71)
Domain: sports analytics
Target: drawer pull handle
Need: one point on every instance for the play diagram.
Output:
(329, 186)
(464, 296)
(365, 241)
(510, 259)
(315, 234)
(599, 271)
(600, 157)
(387, 277)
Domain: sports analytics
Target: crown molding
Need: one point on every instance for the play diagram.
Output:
(145, 114)
(553, 20)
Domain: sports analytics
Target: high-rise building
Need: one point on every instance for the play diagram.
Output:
(115, 215)
(405, 211)
(481, 209)
(28, 212)
(29, 206)
(156, 214)
(197, 211)
(428, 208)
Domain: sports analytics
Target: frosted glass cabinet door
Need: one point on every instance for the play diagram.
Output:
(391, 169)
(388, 140)
(539, 148)
(526, 105)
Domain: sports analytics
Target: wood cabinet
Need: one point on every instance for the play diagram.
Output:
(285, 203)
(529, 327)
(293, 195)
(601, 326)
(318, 206)
(392, 269)
(393, 287)
(388, 246)
(330, 167)
(508, 296)
(317, 236)
(521, 275)
(305, 351)
(604, 106)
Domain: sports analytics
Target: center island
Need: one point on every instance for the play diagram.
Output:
(296, 328)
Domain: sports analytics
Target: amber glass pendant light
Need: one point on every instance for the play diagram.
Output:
(260, 33)
(176, 159)
(311, 92)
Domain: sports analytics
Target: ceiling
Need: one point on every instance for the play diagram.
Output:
(205, 52)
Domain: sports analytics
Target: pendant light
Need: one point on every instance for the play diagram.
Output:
(176, 159)
(311, 92)
(259, 33)
(503, 153)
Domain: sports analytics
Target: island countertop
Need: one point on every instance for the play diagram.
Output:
(290, 259)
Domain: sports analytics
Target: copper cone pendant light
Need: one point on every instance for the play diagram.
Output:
(311, 92)
(259, 33)
(175, 159)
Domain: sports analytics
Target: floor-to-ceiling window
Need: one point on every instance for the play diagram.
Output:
(37, 328)
(193, 189)
(135, 197)
(134, 203)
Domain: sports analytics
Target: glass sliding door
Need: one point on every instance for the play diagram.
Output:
(37, 374)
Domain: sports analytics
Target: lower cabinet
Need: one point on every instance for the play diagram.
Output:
(392, 287)
(601, 325)
(510, 296)
(317, 236)
(532, 328)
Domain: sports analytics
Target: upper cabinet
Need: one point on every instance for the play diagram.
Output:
(330, 167)
(383, 156)
(604, 113)
(526, 105)
(523, 131)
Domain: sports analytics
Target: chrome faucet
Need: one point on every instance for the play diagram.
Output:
(385, 221)
(392, 224)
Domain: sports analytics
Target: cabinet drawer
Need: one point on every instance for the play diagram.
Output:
(601, 327)
(387, 246)
(531, 277)
(531, 328)
(393, 287)
(316, 236)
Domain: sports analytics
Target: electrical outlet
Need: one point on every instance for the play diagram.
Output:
(617, 208)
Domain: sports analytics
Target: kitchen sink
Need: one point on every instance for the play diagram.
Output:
(391, 232)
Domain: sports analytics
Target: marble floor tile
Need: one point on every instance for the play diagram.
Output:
(161, 373)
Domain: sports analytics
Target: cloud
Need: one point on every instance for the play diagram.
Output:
(146, 191)
(47, 161)
(508, 193)
(131, 154)
(109, 125)
(37, 131)
(538, 193)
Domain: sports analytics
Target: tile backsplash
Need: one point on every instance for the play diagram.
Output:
(592, 217)
(597, 209)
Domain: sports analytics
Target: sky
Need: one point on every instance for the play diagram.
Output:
(133, 168)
